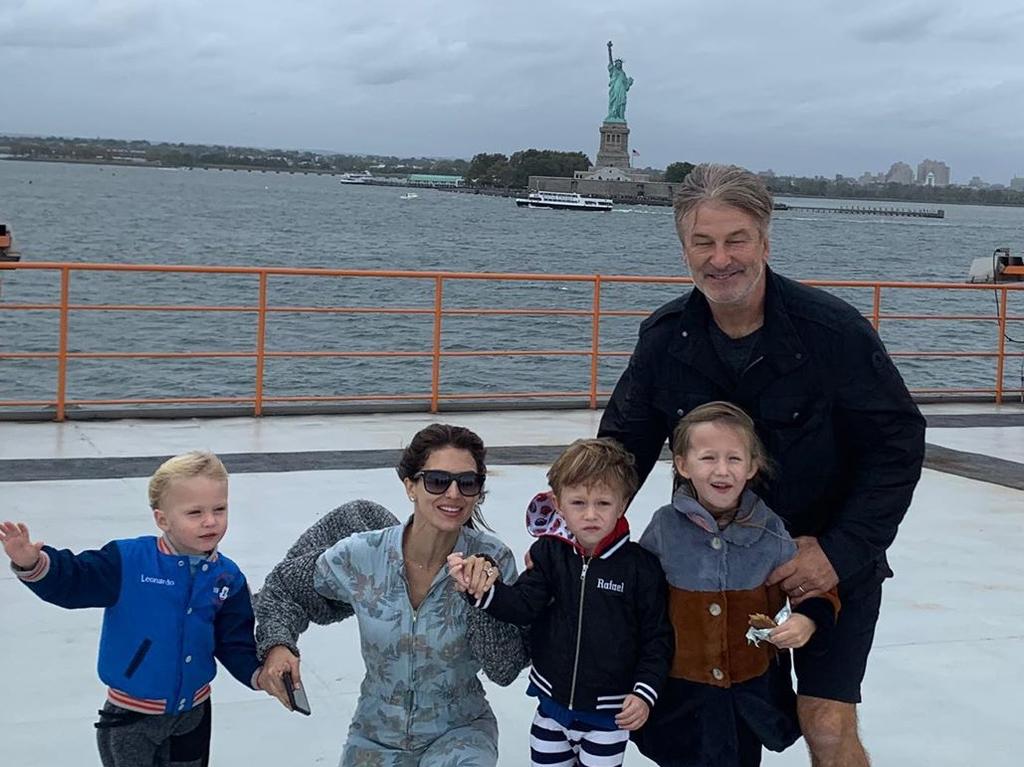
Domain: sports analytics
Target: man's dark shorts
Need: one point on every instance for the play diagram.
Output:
(837, 673)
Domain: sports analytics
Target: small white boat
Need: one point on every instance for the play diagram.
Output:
(409, 196)
(355, 178)
(563, 201)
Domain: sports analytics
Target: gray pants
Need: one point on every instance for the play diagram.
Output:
(128, 739)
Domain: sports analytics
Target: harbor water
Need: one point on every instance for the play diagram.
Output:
(105, 214)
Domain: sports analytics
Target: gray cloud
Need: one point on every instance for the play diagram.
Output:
(807, 86)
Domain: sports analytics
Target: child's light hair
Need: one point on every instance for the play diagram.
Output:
(197, 463)
(726, 414)
(589, 462)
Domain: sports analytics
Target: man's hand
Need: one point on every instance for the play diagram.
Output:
(19, 547)
(279, 660)
(634, 713)
(807, 574)
(793, 633)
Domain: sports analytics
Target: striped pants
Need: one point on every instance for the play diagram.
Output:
(552, 745)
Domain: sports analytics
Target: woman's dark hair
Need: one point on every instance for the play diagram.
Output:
(441, 435)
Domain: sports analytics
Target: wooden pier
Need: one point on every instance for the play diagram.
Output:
(867, 210)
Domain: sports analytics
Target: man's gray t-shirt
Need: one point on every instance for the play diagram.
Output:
(735, 353)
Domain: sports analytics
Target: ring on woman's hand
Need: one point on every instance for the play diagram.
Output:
(802, 590)
(489, 571)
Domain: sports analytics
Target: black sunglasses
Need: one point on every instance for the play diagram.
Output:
(437, 482)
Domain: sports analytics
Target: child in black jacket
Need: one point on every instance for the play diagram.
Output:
(596, 602)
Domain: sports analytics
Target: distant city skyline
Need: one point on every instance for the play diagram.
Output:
(453, 78)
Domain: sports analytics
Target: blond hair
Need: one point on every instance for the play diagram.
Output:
(196, 463)
(726, 414)
(594, 461)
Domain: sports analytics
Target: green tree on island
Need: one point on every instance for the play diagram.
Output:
(678, 171)
(515, 171)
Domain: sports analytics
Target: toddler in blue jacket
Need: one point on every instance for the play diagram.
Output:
(171, 606)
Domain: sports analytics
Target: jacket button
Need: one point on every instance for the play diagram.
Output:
(205, 568)
(717, 674)
(796, 414)
(716, 543)
(684, 334)
(680, 412)
(181, 563)
(188, 658)
(715, 609)
(799, 356)
(188, 611)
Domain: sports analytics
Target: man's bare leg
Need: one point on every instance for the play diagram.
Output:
(830, 729)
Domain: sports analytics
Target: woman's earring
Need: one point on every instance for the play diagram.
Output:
(412, 498)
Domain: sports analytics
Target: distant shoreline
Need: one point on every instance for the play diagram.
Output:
(488, 191)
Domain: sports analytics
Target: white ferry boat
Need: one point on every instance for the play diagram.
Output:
(563, 201)
(355, 178)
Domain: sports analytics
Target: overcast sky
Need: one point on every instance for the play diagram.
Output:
(799, 86)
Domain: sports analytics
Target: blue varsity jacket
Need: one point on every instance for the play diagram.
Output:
(162, 626)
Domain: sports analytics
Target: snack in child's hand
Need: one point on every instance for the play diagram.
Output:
(762, 621)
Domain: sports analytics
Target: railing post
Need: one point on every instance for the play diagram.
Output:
(1001, 354)
(261, 343)
(435, 373)
(595, 341)
(62, 345)
(876, 311)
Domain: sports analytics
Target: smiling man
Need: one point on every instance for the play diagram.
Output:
(834, 413)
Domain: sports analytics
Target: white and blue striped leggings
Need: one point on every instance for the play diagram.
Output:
(552, 745)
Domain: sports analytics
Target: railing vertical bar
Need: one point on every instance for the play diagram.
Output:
(1001, 351)
(595, 341)
(435, 372)
(62, 345)
(261, 345)
(877, 309)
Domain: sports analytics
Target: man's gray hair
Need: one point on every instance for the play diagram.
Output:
(727, 184)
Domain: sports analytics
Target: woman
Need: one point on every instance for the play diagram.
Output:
(421, 702)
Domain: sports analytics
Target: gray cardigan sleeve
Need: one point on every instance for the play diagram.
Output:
(502, 649)
(287, 603)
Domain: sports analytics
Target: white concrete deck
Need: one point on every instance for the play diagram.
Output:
(943, 684)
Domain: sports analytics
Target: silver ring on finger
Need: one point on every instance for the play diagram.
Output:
(489, 572)
(801, 589)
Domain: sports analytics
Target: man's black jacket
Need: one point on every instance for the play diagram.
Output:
(834, 414)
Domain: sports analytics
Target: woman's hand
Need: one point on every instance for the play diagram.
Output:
(478, 575)
(279, 660)
(634, 713)
(794, 633)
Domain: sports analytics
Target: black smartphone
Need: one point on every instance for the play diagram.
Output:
(297, 697)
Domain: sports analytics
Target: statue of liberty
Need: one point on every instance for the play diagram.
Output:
(618, 84)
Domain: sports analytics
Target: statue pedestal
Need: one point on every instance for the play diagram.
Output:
(614, 150)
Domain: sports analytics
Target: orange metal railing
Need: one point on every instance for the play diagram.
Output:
(434, 398)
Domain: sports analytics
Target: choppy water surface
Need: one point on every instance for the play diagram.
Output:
(101, 214)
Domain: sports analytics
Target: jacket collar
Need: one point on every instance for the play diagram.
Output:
(544, 521)
(745, 530)
(779, 350)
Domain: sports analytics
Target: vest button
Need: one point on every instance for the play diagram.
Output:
(680, 412)
(188, 611)
(188, 658)
(717, 674)
(205, 568)
(716, 543)
(715, 609)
